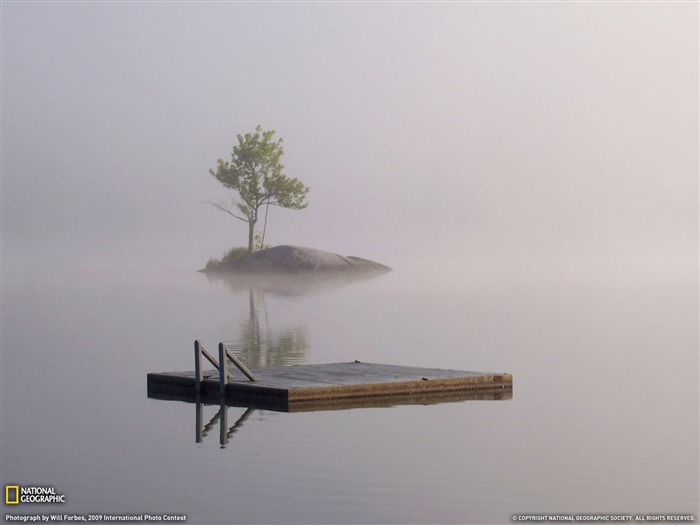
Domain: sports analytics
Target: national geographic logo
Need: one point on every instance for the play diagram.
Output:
(14, 495)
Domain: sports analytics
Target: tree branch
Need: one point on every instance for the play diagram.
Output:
(226, 210)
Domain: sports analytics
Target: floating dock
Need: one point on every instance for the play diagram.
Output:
(336, 385)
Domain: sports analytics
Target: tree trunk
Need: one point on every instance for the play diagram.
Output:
(251, 235)
(262, 240)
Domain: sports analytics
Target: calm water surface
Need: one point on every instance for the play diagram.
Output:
(603, 418)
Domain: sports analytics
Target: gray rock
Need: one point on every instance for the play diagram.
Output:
(297, 259)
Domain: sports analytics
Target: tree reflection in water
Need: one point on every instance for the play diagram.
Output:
(259, 344)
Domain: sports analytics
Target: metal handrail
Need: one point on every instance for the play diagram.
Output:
(239, 364)
(223, 374)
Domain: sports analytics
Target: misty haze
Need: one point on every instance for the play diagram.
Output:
(527, 171)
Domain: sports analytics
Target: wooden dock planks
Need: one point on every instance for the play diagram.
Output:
(335, 381)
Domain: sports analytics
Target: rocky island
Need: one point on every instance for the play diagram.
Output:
(288, 259)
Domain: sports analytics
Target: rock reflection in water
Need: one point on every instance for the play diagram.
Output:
(289, 284)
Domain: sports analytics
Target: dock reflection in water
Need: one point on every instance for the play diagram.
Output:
(221, 417)
(202, 430)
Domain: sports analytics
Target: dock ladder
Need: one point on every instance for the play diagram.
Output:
(220, 365)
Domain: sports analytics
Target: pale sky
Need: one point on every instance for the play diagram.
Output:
(476, 133)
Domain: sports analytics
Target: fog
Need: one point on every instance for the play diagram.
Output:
(490, 140)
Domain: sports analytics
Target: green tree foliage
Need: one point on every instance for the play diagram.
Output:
(255, 173)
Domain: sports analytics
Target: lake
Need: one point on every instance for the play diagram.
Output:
(603, 417)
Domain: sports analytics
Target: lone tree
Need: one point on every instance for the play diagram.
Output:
(255, 172)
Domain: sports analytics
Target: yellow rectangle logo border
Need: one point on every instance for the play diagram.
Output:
(7, 494)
